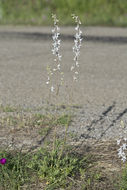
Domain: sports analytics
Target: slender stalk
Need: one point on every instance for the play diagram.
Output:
(65, 138)
(54, 140)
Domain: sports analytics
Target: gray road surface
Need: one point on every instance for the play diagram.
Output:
(102, 87)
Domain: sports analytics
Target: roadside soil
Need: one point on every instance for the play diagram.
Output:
(19, 131)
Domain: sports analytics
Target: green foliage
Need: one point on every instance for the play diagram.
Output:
(56, 169)
(123, 184)
(7, 108)
(44, 122)
(64, 120)
(15, 172)
(51, 121)
(50, 169)
(90, 180)
(90, 12)
(53, 165)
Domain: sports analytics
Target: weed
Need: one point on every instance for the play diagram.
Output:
(7, 108)
(15, 172)
(123, 182)
(56, 169)
(21, 170)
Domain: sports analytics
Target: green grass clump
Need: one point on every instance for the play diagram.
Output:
(123, 182)
(7, 108)
(55, 168)
(52, 167)
(34, 120)
(91, 12)
(15, 172)
(63, 120)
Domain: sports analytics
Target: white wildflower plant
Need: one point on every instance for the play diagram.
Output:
(55, 51)
(76, 48)
(122, 142)
(56, 70)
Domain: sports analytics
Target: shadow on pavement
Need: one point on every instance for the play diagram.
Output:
(48, 36)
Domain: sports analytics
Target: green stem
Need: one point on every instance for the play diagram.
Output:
(54, 140)
(58, 88)
(65, 138)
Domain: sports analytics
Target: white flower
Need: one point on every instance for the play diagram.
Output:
(123, 158)
(58, 42)
(72, 67)
(121, 153)
(80, 41)
(77, 53)
(124, 146)
(77, 27)
(52, 88)
(53, 51)
(77, 35)
(118, 142)
(58, 29)
(74, 78)
(59, 57)
(58, 66)
(77, 64)
(80, 32)
(53, 30)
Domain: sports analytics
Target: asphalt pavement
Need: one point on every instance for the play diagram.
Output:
(25, 53)
(101, 89)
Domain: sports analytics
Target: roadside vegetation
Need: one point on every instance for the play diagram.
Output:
(56, 164)
(91, 12)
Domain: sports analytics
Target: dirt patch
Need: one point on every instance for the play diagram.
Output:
(105, 163)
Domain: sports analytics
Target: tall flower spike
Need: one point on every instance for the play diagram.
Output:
(56, 49)
(55, 52)
(76, 47)
(55, 37)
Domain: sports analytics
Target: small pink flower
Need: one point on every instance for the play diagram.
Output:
(3, 161)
